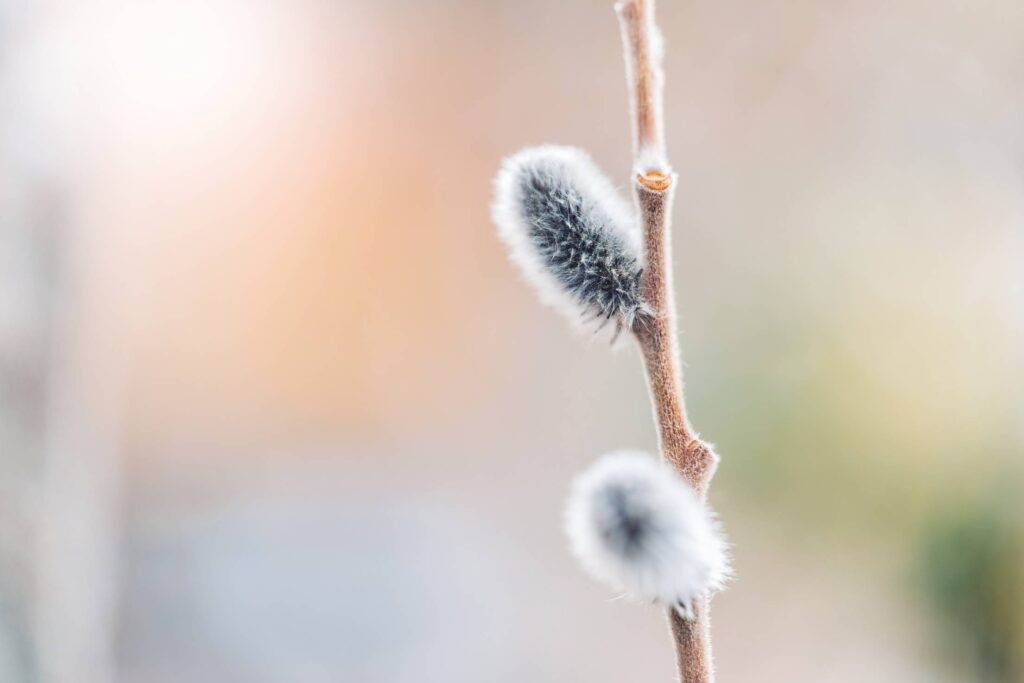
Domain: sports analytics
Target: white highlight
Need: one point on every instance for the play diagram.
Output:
(634, 523)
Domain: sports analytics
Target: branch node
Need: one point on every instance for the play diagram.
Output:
(655, 180)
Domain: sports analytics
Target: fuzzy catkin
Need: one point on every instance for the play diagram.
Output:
(633, 522)
(571, 233)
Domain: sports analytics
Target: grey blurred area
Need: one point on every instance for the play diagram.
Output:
(274, 406)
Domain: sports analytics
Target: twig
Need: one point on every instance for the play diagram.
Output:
(653, 187)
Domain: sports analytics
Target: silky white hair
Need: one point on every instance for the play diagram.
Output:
(633, 522)
(570, 232)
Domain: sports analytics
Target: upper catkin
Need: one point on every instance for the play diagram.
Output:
(632, 521)
(571, 233)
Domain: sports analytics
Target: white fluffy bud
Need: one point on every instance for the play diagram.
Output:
(633, 522)
(570, 232)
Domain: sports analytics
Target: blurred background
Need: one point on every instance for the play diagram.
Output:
(274, 406)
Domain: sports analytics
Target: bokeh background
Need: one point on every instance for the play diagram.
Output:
(274, 407)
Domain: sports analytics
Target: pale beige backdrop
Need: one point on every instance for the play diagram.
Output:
(291, 416)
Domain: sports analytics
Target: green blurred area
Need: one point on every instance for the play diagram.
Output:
(969, 567)
(811, 435)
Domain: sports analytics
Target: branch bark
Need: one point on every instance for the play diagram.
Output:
(653, 188)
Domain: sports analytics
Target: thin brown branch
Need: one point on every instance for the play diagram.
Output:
(692, 639)
(659, 344)
(643, 70)
(653, 187)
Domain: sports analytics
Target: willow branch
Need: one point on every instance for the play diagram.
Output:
(643, 69)
(653, 187)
